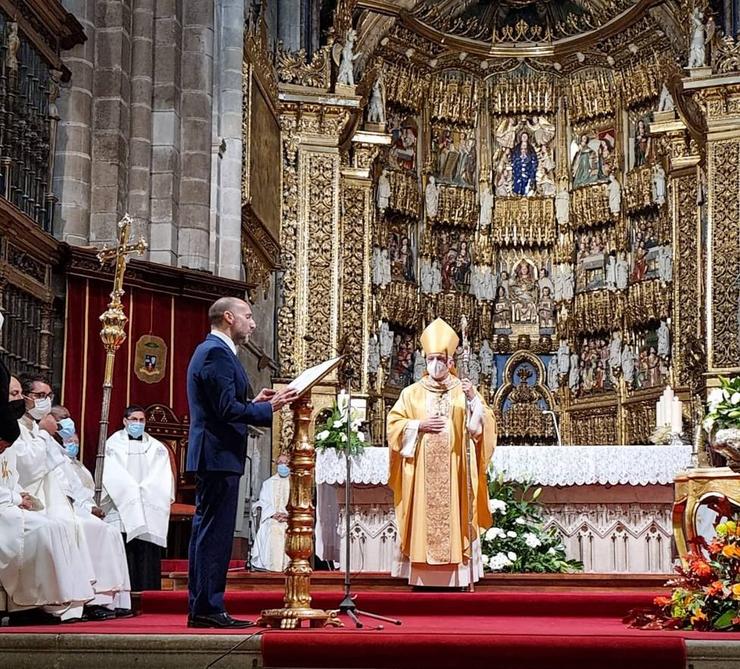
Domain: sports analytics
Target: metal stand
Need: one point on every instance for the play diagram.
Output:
(347, 604)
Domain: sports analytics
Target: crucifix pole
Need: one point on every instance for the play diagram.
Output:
(113, 333)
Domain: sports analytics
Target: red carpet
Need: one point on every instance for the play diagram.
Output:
(507, 630)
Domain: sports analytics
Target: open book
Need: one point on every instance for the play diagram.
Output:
(310, 377)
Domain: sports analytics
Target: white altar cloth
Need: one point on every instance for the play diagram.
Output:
(539, 465)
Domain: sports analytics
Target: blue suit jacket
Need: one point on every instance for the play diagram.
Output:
(220, 410)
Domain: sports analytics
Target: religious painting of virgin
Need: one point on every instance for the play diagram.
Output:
(404, 132)
(592, 158)
(641, 144)
(402, 360)
(455, 255)
(523, 157)
(454, 156)
(401, 252)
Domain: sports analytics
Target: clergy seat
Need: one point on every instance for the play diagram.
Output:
(162, 424)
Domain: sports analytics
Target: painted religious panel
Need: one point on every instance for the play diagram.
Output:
(404, 131)
(524, 298)
(401, 249)
(523, 156)
(454, 155)
(455, 257)
(640, 144)
(647, 254)
(592, 157)
(647, 368)
(594, 369)
(595, 261)
(402, 360)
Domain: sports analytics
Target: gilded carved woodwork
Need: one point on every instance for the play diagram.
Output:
(590, 206)
(647, 301)
(528, 221)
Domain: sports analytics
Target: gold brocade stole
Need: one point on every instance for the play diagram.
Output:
(437, 482)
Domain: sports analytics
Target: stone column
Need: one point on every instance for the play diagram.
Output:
(71, 181)
(226, 145)
(140, 146)
(195, 133)
(165, 160)
(112, 93)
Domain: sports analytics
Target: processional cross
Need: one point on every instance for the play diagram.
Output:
(113, 333)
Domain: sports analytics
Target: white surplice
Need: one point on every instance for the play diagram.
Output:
(138, 487)
(268, 551)
(39, 565)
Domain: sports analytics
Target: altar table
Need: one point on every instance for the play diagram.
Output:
(610, 504)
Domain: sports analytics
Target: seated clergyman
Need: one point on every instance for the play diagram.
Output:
(268, 552)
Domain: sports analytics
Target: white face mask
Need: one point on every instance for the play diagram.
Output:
(41, 408)
(437, 369)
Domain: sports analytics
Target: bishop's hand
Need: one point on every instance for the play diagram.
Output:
(433, 425)
(26, 501)
(468, 389)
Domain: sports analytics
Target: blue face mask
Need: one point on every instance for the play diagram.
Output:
(135, 430)
(66, 428)
(283, 470)
(72, 449)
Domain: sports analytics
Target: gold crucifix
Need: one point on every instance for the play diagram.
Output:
(113, 333)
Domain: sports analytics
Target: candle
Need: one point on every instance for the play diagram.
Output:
(676, 416)
(659, 413)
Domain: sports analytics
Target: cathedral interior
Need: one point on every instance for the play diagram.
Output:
(562, 175)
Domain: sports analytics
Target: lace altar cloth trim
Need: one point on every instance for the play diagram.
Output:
(541, 465)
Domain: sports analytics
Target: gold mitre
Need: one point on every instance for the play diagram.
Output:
(439, 337)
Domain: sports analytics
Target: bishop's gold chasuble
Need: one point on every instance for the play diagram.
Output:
(433, 506)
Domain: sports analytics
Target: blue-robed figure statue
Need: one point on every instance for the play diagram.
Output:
(524, 166)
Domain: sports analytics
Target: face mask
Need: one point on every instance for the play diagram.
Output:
(283, 470)
(436, 369)
(66, 428)
(135, 430)
(17, 408)
(41, 408)
(72, 449)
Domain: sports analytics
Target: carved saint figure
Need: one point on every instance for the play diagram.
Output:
(664, 340)
(386, 340)
(642, 143)
(431, 198)
(420, 364)
(611, 272)
(383, 192)
(376, 106)
(628, 365)
(573, 373)
(665, 263)
(373, 354)
(436, 277)
(346, 75)
(524, 166)
(523, 294)
(615, 351)
(615, 195)
(12, 44)
(546, 309)
(425, 275)
(563, 357)
(659, 185)
(502, 310)
(562, 203)
(622, 271)
(697, 49)
(584, 164)
(552, 374)
(486, 358)
(666, 100)
(486, 205)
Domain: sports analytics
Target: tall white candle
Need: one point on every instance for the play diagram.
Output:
(659, 413)
(676, 416)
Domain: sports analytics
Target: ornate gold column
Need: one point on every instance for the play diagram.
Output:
(720, 97)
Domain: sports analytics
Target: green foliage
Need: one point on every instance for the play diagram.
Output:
(518, 541)
(333, 434)
(723, 405)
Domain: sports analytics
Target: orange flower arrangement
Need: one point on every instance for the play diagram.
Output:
(706, 591)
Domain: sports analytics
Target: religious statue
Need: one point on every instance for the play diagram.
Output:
(12, 44)
(425, 275)
(553, 381)
(568, 282)
(562, 203)
(432, 428)
(628, 366)
(376, 106)
(494, 378)
(385, 264)
(664, 340)
(436, 277)
(431, 198)
(475, 282)
(377, 263)
(658, 183)
(611, 272)
(615, 195)
(502, 310)
(697, 48)
(623, 270)
(346, 75)
(666, 100)
(485, 356)
(584, 164)
(524, 166)
(544, 281)
(615, 351)
(487, 284)
(474, 369)
(546, 309)
(642, 143)
(383, 193)
(665, 263)
(373, 354)
(386, 340)
(563, 357)
(420, 364)
(523, 294)
(486, 205)
(573, 373)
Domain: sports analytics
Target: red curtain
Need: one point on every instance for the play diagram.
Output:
(182, 323)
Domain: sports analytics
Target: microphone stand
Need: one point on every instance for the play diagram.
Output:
(347, 604)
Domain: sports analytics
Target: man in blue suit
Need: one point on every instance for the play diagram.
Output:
(219, 415)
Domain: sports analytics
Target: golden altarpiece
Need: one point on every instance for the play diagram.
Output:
(565, 175)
